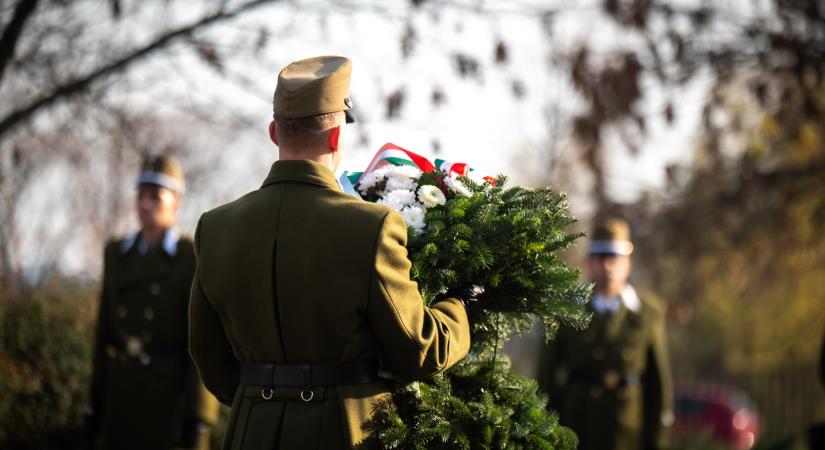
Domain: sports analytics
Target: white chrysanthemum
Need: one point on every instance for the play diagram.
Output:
(403, 171)
(402, 177)
(401, 183)
(368, 181)
(398, 199)
(414, 218)
(458, 187)
(430, 196)
(402, 196)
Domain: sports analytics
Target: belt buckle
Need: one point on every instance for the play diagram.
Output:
(267, 393)
(311, 395)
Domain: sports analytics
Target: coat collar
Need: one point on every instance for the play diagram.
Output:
(628, 298)
(301, 171)
(170, 242)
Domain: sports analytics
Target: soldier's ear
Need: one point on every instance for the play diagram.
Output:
(273, 133)
(334, 134)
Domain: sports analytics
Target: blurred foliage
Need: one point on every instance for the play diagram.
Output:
(735, 243)
(771, 51)
(741, 247)
(739, 252)
(46, 341)
(45, 363)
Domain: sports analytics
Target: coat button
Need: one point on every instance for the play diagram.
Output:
(154, 289)
(611, 379)
(134, 346)
(627, 354)
(599, 353)
(148, 314)
(121, 311)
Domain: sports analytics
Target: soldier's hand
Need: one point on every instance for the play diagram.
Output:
(90, 421)
(469, 294)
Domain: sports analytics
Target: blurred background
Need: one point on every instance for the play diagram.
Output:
(700, 122)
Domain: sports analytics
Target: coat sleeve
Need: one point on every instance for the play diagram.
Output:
(200, 405)
(658, 388)
(417, 341)
(208, 345)
(103, 337)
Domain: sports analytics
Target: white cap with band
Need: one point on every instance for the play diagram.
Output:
(624, 248)
(162, 180)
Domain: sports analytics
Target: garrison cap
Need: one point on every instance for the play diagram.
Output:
(312, 87)
(611, 237)
(162, 170)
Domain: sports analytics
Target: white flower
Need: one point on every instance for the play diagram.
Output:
(402, 196)
(458, 187)
(402, 177)
(430, 196)
(403, 170)
(398, 199)
(401, 183)
(414, 217)
(369, 180)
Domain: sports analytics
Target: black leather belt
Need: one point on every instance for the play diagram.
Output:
(305, 376)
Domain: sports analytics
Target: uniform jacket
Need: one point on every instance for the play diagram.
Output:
(611, 383)
(145, 389)
(299, 272)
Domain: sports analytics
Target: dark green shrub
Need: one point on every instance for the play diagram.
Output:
(45, 363)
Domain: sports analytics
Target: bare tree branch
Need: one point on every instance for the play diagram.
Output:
(11, 34)
(24, 113)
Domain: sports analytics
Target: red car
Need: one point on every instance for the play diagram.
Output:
(723, 414)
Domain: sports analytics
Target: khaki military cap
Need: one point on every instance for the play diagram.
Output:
(162, 170)
(611, 237)
(314, 86)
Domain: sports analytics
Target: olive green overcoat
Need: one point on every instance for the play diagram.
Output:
(145, 388)
(611, 383)
(299, 272)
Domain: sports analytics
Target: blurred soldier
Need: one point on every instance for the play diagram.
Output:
(611, 383)
(146, 393)
(301, 289)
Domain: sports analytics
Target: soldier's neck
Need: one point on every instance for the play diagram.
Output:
(152, 236)
(321, 156)
(608, 291)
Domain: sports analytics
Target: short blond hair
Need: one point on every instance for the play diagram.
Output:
(306, 131)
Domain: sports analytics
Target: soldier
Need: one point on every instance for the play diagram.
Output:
(611, 382)
(146, 393)
(302, 290)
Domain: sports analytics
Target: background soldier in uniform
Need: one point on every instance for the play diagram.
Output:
(611, 383)
(301, 288)
(146, 393)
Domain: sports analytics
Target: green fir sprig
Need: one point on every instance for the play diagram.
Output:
(507, 240)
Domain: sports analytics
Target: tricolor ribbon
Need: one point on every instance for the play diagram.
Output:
(397, 156)
(390, 153)
(460, 169)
